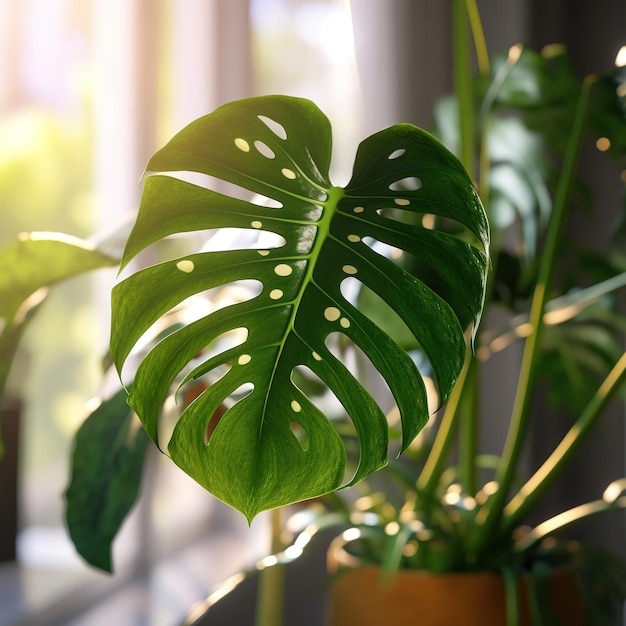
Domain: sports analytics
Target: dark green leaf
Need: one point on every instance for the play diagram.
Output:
(274, 445)
(107, 463)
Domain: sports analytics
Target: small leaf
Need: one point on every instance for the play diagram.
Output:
(38, 260)
(27, 265)
(107, 463)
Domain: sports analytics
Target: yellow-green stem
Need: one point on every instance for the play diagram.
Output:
(492, 512)
(527, 497)
(463, 84)
(478, 37)
(468, 430)
(437, 457)
(271, 589)
(465, 16)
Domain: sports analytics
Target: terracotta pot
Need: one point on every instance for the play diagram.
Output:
(359, 597)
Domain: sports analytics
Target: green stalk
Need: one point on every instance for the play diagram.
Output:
(566, 518)
(478, 37)
(463, 84)
(468, 430)
(535, 488)
(467, 150)
(271, 590)
(492, 512)
(429, 476)
(512, 596)
(465, 17)
(484, 69)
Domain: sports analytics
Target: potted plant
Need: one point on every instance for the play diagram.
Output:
(408, 235)
(469, 519)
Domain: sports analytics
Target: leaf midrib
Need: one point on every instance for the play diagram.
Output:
(330, 206)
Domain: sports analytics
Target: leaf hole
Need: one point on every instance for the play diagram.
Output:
(404, 215)
(264, 149)
(225, 239)
(217, 414)
(264, 201)
(309, 383)
(224, 187)
(396, 153)
(350, 288)
(214, 421)
(190, 392)
(356, 361)
(301, 435)
(235, 293)
(277, 128)
(198, 367)
(386, 318)
(343, 349)
(384, 249)
(410, 183)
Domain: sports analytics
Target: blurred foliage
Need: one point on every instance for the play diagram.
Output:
(526, 109)
(45, 174)
(45, 185)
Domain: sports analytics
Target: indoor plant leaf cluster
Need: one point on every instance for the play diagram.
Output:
(273, 446)
(465, 513)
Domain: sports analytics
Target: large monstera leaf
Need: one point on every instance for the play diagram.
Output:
(273, 445)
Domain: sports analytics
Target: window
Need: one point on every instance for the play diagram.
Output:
(88, 90)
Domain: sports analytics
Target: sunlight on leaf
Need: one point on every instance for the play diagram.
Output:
(274, 445)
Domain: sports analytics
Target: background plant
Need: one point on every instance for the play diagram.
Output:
(456, 508)
(28, 267)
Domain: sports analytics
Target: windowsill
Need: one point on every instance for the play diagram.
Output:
(28, 593)
(73, 594)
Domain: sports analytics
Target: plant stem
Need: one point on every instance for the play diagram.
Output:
(507, 468)
(478, 36)
(271, 589)
(582, 511)
(462, 10)
(536, 486)
(468, 430)
(462, 17)
(511, 595)
(429, 476)
(463, 85)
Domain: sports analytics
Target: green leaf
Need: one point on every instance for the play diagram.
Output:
(527, 109)
(27, 265)
(274, 446)
(577, 356)
(38, 260)
(107, 462)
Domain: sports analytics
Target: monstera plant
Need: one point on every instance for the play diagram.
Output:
(264, 166)
(391, 267)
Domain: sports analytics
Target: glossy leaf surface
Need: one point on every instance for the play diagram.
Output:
(274, 445)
